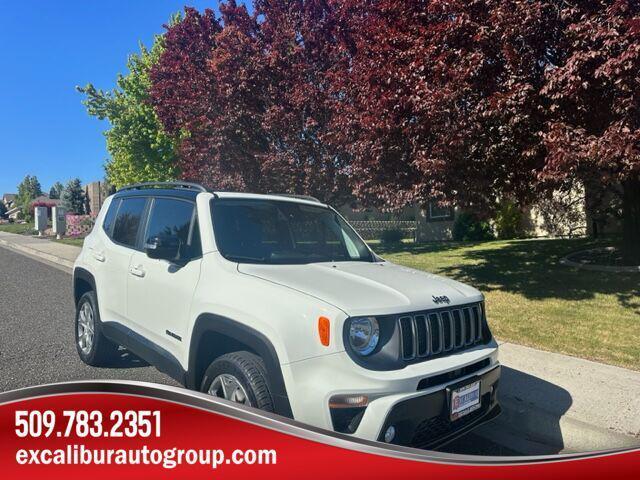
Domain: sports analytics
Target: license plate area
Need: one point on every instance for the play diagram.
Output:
(464, 399)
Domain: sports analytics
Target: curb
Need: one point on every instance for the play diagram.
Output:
(526, 428)
(61, 262)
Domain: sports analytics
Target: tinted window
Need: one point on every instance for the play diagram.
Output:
(125, 229)
(173, 218)
(110, 216)
(266, 231)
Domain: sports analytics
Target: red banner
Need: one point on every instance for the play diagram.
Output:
(129, 430)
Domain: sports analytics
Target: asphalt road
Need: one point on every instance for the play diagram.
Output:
(37, 340)
(36, 329)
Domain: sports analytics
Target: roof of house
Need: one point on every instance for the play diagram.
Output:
(7, 197)
(45, 199)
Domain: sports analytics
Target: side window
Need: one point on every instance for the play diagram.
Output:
(125, 228)
(110, 216)
(174, 218)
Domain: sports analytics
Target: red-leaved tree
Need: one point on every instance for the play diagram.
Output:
(441, 99)
(258, 113)
(399, 101)
(594, 118)
(299, 47)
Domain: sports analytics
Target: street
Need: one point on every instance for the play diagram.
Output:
(36, 339)
(36, 329)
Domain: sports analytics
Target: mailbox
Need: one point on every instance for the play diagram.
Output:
(41, 218)
(59, 221)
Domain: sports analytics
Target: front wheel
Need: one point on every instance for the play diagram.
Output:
(93, 347)
(239, 377)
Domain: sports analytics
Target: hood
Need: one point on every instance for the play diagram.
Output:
(362, 288)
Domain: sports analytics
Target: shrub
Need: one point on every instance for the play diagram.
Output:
(468, 228)
(391, 236)
(509, 221)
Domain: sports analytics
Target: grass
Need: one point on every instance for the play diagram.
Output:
(533, 300)
(19, 228)
(77, 242)
(27, 229)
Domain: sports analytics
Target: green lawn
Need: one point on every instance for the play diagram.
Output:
(27, 229)
(22, 229)
(77, 242)
(533, 300)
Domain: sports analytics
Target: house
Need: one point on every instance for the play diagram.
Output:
(9, 199)
(435, 223)
(13, 213)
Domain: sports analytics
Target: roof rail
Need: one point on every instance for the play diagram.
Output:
(185, 185)
(301, 197)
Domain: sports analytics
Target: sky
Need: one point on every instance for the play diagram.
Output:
(47, 47)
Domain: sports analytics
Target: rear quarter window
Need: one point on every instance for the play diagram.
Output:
(107, 224)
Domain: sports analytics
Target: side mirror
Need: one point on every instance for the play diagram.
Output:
(163, 247)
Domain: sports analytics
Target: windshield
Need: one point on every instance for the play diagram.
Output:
(282, 232)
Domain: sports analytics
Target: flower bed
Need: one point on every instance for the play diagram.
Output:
(80, 225)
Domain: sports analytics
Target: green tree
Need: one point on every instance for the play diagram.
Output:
(73, 198)
(56, 190)
(28, 189)
(140, 150)
(3, 209)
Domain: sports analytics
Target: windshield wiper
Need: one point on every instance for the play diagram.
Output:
(246, 258)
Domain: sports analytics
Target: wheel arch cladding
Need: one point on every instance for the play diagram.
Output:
(83, 282)
(214, 336)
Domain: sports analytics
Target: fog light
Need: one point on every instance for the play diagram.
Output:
(348, 401)
(390, 434)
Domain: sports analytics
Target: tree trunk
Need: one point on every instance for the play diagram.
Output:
(631, 221)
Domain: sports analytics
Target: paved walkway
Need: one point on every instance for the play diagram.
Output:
(55, 252)
(551, 402)
(567, 404)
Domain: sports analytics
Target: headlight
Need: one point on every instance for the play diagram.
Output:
(364, 334)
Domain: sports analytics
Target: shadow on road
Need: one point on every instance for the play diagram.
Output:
(529, 423)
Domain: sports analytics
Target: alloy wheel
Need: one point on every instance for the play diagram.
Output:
(229, 387)
(86, 328)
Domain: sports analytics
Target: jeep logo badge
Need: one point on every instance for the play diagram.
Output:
(441, 299)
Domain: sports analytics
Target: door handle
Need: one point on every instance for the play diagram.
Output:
(137, 271)
(98, 256)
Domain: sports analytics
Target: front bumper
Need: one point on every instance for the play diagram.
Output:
(414, 397)
(423, 422)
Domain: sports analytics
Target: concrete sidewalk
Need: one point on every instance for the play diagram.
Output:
(56, 253)
(557, 403)
(551, 402)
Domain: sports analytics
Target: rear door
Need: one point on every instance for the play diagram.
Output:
(159, 291)
(111, 253)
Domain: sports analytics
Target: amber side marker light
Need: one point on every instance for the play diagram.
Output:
(324, 329)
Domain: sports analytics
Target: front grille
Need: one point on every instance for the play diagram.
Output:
(427, 334)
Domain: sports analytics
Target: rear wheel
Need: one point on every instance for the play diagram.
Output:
(240, 377)
(93, 347)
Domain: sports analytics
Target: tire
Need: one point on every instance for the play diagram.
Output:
(249, 371)
(99, 351)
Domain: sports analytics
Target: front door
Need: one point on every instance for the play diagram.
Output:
(159, 292)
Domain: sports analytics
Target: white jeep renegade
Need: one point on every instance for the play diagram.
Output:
(275, 302)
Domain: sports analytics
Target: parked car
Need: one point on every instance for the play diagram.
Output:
(276, 303)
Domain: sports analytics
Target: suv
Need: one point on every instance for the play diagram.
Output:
(275, 302)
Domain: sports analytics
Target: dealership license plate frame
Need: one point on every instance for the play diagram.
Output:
(457, 412)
